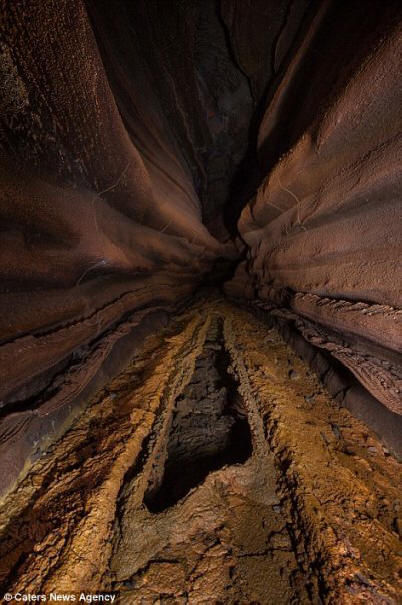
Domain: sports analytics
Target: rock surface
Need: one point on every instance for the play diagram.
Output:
(322, 232)
(309, 513)
(174, 450)
(122, 130)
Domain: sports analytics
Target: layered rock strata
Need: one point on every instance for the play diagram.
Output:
(322, 232)
(310, 512)
(150, 148)
(122, 127)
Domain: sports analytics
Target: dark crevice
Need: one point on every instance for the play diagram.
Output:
(209, 428)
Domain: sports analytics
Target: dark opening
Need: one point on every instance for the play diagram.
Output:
(209, 428)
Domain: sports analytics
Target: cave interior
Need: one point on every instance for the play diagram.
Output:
(200, 300)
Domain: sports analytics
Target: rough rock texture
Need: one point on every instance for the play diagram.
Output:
(150, 150)
(122, 128)
(208, 428)
(323, 231)
(310, 513)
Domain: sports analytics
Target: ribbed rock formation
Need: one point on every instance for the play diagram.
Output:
(323, 231)
(152, 153)
(309, 513)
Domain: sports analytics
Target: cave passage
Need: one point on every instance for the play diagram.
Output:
(200, 300)
(209, 427)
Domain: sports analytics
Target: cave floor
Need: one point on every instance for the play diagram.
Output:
(214, 469)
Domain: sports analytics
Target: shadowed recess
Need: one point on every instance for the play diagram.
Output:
(209, 428)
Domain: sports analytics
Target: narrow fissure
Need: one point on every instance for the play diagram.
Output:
(209, 428)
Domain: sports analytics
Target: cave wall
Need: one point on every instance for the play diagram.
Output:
(323, 230)
(88, 227)
(101, 226)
